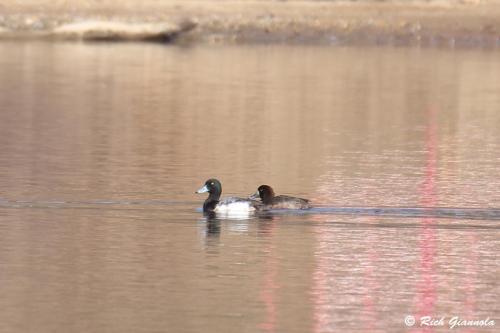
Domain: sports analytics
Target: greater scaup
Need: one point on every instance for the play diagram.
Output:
(271, 201)
(229, 205)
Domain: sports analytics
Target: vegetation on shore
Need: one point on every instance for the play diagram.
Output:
(397, 22)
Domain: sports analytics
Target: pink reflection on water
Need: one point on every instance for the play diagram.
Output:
(325, 293)
(323, 280)
(471, 280)
(427, 291)
(471, 275)
(426, 287)
(269, 286)
(371, 284)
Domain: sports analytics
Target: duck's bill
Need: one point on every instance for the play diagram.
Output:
(203, 189)
(255, 196)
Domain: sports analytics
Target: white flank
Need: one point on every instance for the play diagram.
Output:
(238, 207)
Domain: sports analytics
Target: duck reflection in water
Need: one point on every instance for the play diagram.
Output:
(212, 225)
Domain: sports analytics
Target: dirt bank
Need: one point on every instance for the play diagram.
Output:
(450, 23)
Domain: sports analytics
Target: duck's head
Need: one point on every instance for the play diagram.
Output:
(212, 186)
(265, 193)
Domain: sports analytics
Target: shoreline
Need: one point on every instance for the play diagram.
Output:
(422, 23)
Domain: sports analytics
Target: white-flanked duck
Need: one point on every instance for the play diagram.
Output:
(229, 205)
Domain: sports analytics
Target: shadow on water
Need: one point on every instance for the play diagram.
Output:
(402, 212)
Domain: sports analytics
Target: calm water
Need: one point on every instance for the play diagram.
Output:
(103, 145)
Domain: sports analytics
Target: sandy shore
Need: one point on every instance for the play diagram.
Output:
(398, 22)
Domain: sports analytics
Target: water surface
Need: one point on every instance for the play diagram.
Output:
(103, 145)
